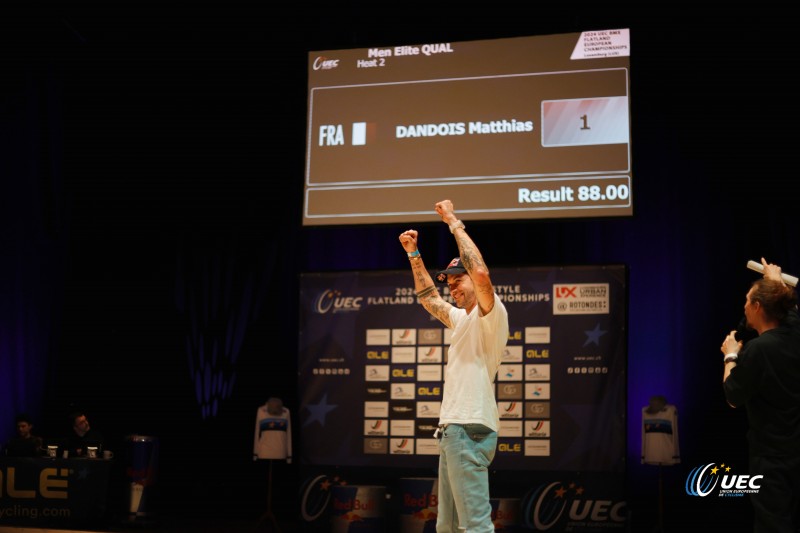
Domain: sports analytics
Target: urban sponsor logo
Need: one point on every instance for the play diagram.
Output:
(703, 479)
(581, 299)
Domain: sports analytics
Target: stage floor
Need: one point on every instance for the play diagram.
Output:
(174, 526)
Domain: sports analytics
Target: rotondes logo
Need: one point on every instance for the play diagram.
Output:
(703, 479)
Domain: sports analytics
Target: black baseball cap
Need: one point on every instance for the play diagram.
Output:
(453, 268)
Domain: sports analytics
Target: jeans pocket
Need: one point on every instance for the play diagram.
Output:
(478, 432)
(484, 444)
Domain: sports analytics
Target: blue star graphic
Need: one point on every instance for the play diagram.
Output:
(593, 335)
(319, 411)
(599, 434)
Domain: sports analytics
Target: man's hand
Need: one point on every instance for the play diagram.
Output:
(771, 271)
(409, 240)
(730, 344)
(445, 210)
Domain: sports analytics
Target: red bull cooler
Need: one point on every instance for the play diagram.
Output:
(140, 477)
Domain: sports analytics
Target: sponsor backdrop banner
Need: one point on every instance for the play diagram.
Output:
(371, 369)
(537, 501)
(44, 492)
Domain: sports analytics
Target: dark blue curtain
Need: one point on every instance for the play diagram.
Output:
(219, 291)
(33, 238)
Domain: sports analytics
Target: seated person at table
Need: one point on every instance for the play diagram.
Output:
(81, 436)
(25, 444)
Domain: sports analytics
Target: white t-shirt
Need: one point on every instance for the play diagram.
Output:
(475, 350)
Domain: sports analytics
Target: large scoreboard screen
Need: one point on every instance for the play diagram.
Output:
(515, 128)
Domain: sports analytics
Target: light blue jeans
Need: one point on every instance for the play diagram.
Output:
(465, 453)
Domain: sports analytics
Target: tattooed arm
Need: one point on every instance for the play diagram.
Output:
(423, 283)
(471, 257)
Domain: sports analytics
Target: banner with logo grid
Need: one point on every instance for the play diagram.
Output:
(372, 360)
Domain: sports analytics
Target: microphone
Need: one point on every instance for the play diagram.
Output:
(787, 279)
(744, 334)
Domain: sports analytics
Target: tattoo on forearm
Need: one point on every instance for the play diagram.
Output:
(470, 256)
(439, 309)
(426, 292)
